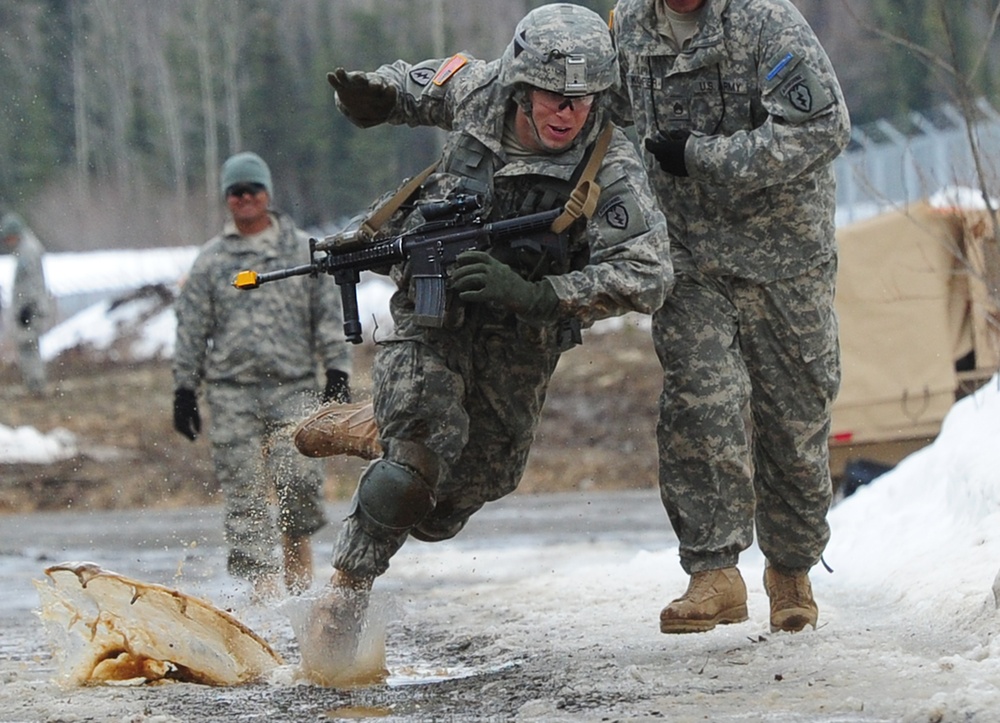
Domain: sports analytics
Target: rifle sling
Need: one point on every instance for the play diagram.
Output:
(582, 201)
(373, 223)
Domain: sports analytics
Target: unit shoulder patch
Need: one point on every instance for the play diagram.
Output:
(447, 71)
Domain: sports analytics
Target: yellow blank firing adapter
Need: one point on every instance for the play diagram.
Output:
(246, 280)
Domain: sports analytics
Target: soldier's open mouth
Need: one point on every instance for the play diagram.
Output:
(558, 132)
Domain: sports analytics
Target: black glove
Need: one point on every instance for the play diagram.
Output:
(26, 315)
(337, 388)
(187, 421)
(367, 100)
(668, 149)
(479, 277)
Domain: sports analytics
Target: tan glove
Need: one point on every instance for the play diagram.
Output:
(364, 98)
(339, 429)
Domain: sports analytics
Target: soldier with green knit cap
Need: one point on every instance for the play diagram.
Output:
(457, 406)
(259, 359)
(29, 299)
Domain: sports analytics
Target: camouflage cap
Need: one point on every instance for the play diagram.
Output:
(563, 48)
(246, 168)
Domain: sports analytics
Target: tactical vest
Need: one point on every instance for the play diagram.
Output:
(474, 167)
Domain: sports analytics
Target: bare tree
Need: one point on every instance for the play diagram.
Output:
(111, 28)
(960, 83)
(230, 54)
(203, 44)
(82, 138)
(982, 264)
(155, 53)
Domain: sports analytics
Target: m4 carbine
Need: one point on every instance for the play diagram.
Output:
(451, 227)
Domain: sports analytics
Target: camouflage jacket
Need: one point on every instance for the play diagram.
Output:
(29, 288)
(767, 116)
(278, 332)
(624, 247)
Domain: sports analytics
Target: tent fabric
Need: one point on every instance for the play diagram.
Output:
(904, 305)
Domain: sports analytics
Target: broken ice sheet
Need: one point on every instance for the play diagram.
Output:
(109, 629)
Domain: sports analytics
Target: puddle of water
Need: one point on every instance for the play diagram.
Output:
(416, 674)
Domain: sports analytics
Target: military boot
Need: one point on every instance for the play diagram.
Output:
(713, 597)
(792, 603)
(339, 429)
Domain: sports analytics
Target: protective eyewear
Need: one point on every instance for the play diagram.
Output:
(558, 102)
(238, 190)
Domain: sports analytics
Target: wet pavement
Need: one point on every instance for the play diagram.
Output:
(441, 666)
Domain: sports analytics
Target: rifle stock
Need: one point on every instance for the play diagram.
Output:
(430, 249)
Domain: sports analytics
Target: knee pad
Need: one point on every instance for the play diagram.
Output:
(428, 533)
(392, 498)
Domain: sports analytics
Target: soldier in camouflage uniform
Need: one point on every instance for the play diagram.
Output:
(741, 115)
(30, 299)
(457, 406)
(257, 356)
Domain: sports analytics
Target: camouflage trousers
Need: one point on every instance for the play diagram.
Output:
(750, 372)
(269, 488)
(30, 363)
(461, 407)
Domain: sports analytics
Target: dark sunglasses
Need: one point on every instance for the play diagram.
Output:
(238, 190)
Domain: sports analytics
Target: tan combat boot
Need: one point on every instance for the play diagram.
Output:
(713, 597)
(298, 560)
(339, 429)
(792, 603)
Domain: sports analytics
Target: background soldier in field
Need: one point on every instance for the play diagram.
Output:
(29, 300)
(257, 355)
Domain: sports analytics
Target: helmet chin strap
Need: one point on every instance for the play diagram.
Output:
(522, 98)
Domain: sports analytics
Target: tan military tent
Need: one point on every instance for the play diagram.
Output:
(912, 306)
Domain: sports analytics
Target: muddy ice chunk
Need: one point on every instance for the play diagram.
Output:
(341, 636)
(108, 628)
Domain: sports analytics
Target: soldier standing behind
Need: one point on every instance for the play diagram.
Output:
(257, 356)
(742, 116)
(30, 299)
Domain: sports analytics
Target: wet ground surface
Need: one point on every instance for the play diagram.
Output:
(544, 610)
(441, 667)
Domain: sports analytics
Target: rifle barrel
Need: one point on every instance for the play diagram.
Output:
(285, 273)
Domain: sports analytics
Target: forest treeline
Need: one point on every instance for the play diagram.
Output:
(116, 114)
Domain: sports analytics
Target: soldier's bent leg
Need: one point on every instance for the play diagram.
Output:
(390, 499)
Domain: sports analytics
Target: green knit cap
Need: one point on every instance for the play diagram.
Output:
(246, 168)
(11, 225)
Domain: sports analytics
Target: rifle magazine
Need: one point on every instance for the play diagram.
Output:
(430, 301)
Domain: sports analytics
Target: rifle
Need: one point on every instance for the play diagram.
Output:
(451, 227)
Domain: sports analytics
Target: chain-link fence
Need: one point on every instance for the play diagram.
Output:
(893, 163)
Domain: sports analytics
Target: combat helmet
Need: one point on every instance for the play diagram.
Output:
(563, 48)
